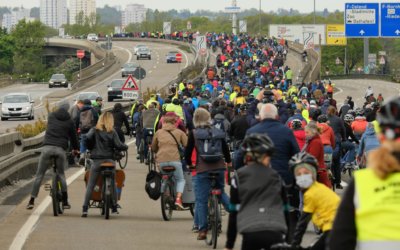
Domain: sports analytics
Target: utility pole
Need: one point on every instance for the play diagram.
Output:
(314, 11)
(234, 18)
(366, 53)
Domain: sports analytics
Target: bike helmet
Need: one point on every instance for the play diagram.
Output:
(258, 143)
(243, 107)
(296, 124)
(351, 112)
(322, 118)
(389, 118)
(302, 157)
(348, 118)
(359, 112)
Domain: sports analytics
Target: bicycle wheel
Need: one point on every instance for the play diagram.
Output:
(107, 198)
(149, 159)
(59, 197)
(167, 202)
(124, 160)
(215, 224)
(54, 198)
(141, 151)
(210, 220)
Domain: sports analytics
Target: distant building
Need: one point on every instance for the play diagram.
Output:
(134, 13)
(53, 13)
(76, 6)
(11, 19)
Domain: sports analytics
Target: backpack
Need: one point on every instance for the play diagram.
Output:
(86, 120)
(209, 144)
(219, 124)
(153, 185)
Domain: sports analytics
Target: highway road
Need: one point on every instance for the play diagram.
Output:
(158, 71)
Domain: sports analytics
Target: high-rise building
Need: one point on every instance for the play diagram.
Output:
(11, 19)
(87, 7)
(134, 13)
(53, 13)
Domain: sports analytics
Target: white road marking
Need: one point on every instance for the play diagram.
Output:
(29, 225)
(154, 67)
(150, 72)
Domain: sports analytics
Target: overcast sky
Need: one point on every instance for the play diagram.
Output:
(214, 5)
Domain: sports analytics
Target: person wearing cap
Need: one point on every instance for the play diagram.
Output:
(60, 133)
(166, 144)
(320, 203)
(368, 216)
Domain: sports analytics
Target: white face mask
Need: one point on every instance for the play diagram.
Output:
(304, 181)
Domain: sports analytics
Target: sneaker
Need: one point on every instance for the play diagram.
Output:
(202, 235)
(31, 204)
(66, 205)
(178, 204)
(84, 211)
(114, 210)
(195, 229)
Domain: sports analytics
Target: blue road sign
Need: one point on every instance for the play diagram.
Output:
(390, 19)
(362, 19)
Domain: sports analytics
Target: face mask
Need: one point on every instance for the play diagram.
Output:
(304, 181)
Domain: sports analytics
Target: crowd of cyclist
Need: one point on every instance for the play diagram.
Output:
(288, 144)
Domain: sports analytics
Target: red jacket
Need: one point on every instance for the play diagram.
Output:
(327, 135)
(300, 137)
(316, 148)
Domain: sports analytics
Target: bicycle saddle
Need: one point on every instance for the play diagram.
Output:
(168, 169)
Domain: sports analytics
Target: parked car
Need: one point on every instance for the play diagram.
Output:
(17, 105)
(92, 37)
(128, 69)
(87, 95)
(114, 89)
(58, 80)
(137, 47)
(143, 53)
(171, 57)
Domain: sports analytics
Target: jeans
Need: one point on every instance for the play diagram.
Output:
(350, 148)
(178, 175)
(95, 170)
(203, 187)
(83, 143)
(45, 161)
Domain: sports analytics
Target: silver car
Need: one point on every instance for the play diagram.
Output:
(17, 105)
(143, 53)
(128, 69)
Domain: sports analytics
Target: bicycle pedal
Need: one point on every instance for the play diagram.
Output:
(47, 187)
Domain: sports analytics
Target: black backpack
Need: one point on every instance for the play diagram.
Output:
(209, 144)
(219, 124)
(153, 185)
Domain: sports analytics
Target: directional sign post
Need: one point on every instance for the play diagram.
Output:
(362, 20)
(390, 20)
(130, 89)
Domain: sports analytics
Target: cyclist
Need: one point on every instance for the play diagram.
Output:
(257, 198)
(348, 145)
(360, 123)
(167, 154)
(369, 141)
(98, 104)
(149, 122)
(119, 120)
(106, 142)
(298, 132)
(59, 133)
(368, 217)
(320, 202)
(239, 126)
(327, 136)
(212, 152)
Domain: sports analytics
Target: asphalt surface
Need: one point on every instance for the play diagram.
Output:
(158, 71)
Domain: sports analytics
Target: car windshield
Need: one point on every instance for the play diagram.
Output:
(141, 46)
(90, 96)
(143, 49)
(130, 65)
(58, 76)
(172, 53)
(16, 99)
(117, 83)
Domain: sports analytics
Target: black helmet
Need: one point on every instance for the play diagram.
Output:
(296, 124)
(322, 118)
(303, 157)
(258, 143)
(243, 107)
(348, 118)
(389, 118)
(351, 112)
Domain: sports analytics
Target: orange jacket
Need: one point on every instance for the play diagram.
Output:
(359, 126)
(327, 135)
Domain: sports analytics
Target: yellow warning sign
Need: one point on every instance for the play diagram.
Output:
(335, 35)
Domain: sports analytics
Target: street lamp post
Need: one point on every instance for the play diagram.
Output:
(259, 20)
(314, 11)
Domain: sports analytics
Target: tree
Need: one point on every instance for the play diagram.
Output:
(7, 52)
(29, 42)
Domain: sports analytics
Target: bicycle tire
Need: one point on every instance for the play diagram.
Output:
(167, 202)
(124, 160)
(210, 215)
(107, 198)
(141, 151)
(59, 197)
(53, 194)
(215, 227)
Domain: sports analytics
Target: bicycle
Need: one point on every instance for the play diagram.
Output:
(55, 189)
(214, 212)
(122, 158)
(168, 195)
(328, 163)
(108, 188)
(150, 154)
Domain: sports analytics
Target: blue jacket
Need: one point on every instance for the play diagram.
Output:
(368, 142)
(285, 146)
